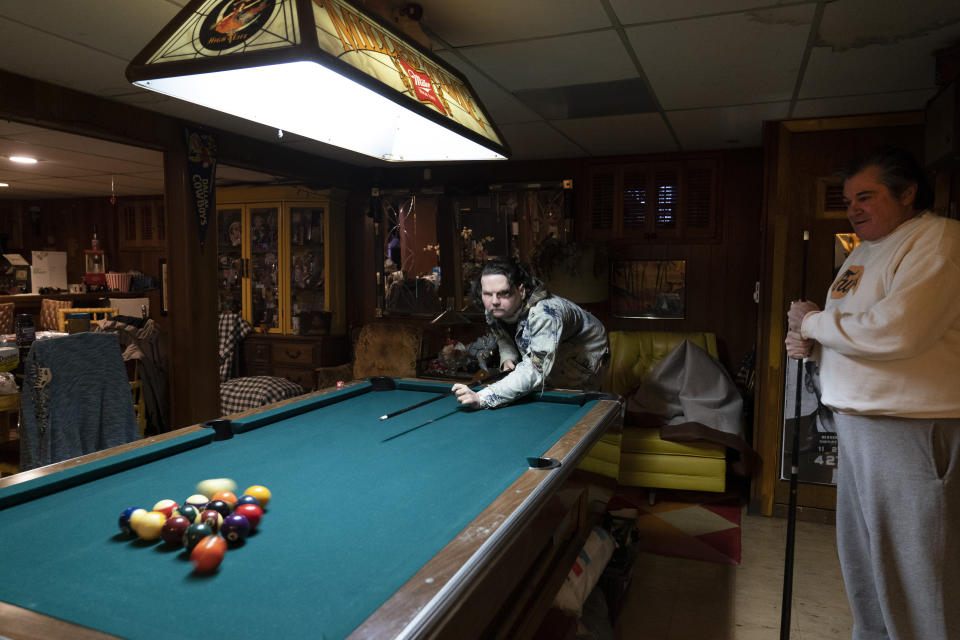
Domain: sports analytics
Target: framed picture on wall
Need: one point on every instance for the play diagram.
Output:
(653, 289)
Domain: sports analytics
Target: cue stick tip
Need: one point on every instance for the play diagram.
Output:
(384, 417)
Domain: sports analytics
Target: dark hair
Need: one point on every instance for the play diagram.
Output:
(516, 273)
(899, 169)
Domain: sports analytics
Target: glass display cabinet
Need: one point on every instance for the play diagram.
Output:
(280, 259)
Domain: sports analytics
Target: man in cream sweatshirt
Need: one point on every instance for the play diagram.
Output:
(888, 344)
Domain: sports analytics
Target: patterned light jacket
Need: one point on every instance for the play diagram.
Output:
(555, 343)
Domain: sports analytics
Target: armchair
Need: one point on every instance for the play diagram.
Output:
(639, 456)
(381, 349)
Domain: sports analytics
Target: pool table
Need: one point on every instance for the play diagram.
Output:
(437, 522)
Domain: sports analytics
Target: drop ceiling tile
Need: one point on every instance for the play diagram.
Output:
(876, 67)
(10, 128)
(726, 127)
(47, 139)
(130, 27)
(503, 106)
(620, 135)
(871, 103)
(554, 62)
(467, 22)
(62, 62)
(634, 11)
(853, 24)
(535, 140)
(725, 60)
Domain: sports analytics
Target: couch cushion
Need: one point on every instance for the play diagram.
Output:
(647, 440)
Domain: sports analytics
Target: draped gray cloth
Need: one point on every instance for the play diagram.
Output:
(691, 397)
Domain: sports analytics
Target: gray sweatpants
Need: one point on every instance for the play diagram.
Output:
(898, 526)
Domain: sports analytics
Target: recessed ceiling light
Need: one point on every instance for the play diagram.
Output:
(23, 159)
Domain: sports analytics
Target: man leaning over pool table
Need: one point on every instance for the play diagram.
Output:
(544, 340)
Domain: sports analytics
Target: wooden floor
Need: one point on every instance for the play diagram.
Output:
(678, 599)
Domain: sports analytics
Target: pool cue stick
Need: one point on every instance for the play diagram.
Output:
(492, 378)
(441, 396)
(794, 475)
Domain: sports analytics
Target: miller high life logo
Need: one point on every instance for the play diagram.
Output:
(233, 22)
(426, 81)
(419, 84)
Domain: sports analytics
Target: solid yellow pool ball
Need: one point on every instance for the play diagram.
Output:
(135, 517)
(150, 525)
(261, 493)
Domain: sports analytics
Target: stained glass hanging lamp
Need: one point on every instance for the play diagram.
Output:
(322, 69)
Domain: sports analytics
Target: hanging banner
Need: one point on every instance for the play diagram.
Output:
(201, 173)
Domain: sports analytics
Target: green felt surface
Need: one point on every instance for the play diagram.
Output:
(351, 520)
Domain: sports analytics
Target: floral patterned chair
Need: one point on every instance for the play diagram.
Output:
(381, 349)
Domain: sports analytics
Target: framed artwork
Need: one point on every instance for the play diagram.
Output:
(653, 289)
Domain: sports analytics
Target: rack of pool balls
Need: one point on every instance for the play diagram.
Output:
(205, 524)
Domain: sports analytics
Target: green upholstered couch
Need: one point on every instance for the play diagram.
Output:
(637, 456)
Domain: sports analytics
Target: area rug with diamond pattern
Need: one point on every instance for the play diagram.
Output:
(696, 525)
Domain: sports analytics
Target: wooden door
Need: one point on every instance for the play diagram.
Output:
(800, 159)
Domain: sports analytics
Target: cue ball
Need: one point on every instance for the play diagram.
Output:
(149, 526)
(251, 512)
(208, 554)
(194, 534)
(235, 528)
(215, 485)
(173, 530)
(261, 493)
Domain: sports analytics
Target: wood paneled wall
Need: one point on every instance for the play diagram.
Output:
(720, 274)
(61, 225)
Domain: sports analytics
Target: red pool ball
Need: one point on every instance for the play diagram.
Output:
(251, 512)
(212, 519)
(208, 554)
(173, 530)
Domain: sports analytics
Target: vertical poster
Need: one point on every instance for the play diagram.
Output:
(819, 453)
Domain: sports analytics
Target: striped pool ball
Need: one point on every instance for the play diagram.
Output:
(235, 528)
